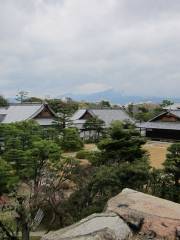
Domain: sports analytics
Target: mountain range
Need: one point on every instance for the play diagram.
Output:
(111, 95)
(115, 97)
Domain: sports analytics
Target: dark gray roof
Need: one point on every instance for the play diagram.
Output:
(22, 112)
(107, 115)
(174, 106)
(78, 114)
(160, 125)
(175, 112)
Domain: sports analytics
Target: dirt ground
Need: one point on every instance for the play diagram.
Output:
(90, 147)
(157, 152)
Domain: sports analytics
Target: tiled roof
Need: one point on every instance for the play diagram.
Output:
(110, 115)
(21, 112)
(160, 125)
(173, 112)
(107, 115)
(78, 114)
(174, 106)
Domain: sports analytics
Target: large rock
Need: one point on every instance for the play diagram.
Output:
(104, 226)
(152, 216)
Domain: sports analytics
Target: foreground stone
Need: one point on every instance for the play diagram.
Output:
(104, 226)
(148, 217)
(153, 217)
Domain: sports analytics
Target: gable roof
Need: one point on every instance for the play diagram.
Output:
(153, 124)
(174, 106)
(78, 114)
(107, 115)
(21, 112)
(175, 113)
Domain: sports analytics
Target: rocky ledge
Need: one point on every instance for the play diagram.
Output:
(129, 215)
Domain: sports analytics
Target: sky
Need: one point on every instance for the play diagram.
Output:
(52, 47)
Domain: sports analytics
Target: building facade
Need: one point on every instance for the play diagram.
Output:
(165, 126)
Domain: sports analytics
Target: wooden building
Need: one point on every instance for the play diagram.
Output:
(165, 126)
(107, 115)
(40, 112)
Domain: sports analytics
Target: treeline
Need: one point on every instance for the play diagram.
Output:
(144, 112)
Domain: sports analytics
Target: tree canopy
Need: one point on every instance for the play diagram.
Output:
(3, 102)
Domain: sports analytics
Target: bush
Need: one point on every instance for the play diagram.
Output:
(95, 158)
(92, 156)
(83, 154)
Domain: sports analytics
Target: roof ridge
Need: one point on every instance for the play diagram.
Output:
(25, 104)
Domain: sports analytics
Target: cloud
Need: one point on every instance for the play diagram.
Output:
(57, 46)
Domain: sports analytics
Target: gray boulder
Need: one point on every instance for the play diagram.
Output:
(104, 226)
(155, 217)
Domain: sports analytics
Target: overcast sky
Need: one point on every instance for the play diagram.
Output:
(51, 47)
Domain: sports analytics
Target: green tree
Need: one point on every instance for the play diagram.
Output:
(21, 96)
(58, 106)
(17, 140)
(62, 121)
(122, 145)
(20, 135)
(19, 161)
(33, 156)
(52, 195)
(172, 167)
(33, 100)
(71, 140)
(3, 102)
(8, 177)
(104, 104)
(95, 127)
(64, 112)
(144, 116)
(41, 153)
(161, 184)
(166, 103)
(123, 157)
(131, 109)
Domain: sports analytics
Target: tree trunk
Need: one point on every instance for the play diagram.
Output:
(25, 232)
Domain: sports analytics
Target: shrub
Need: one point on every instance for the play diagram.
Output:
(83, 154)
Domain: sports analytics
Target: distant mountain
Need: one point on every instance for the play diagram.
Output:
(110, 95)
(114, 97)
